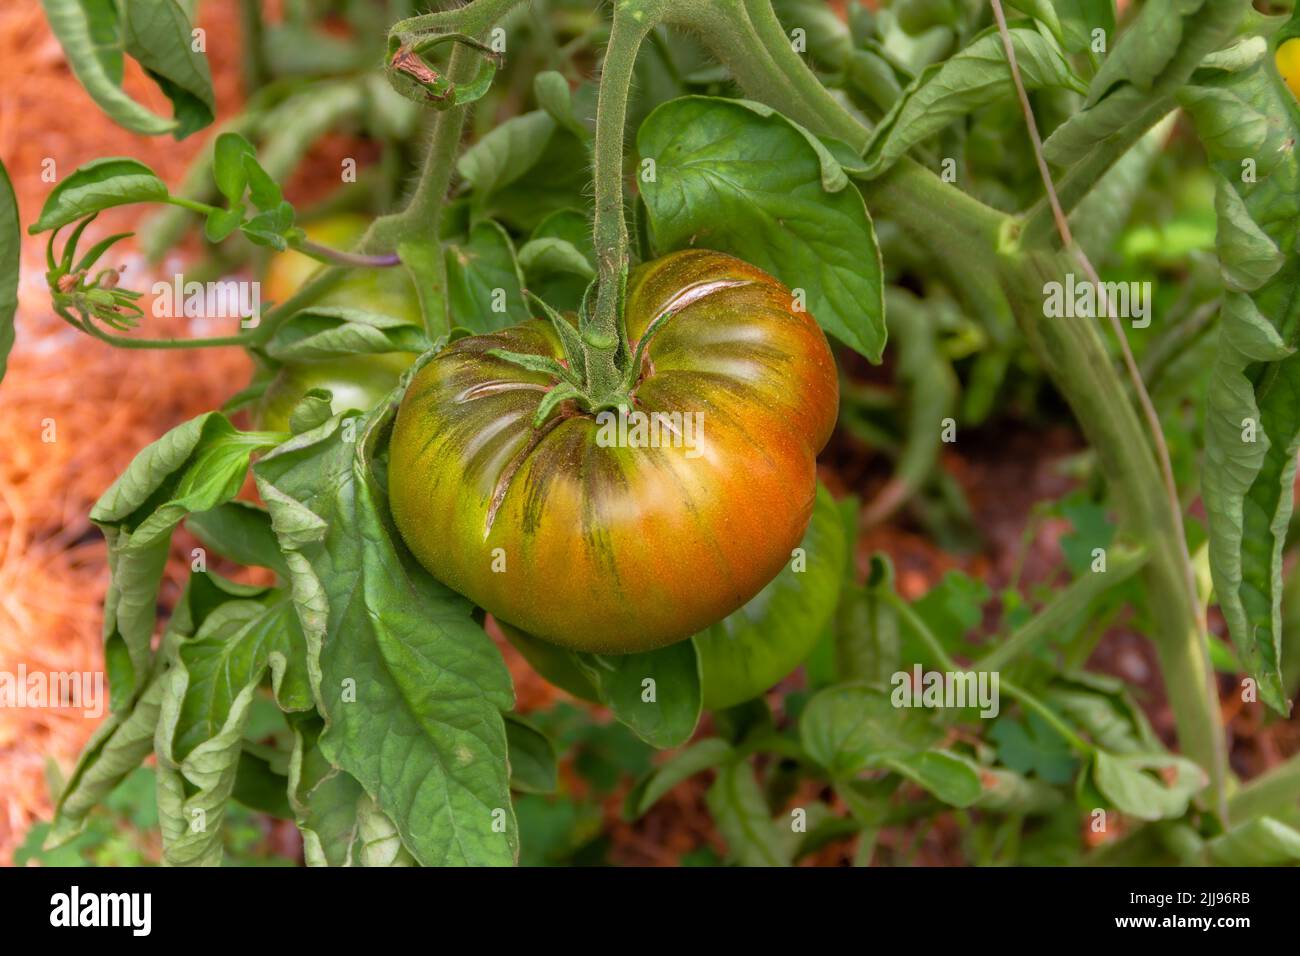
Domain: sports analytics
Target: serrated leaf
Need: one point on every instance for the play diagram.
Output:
(194, 467)
(1147, 786)
(1247, 120)
(412, 688)
(852, 726)
(974, 77)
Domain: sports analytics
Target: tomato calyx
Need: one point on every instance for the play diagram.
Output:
(574, 381)
(578, 375)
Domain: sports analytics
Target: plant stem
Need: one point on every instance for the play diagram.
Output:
(1065, 608)
(1074, 356)
(1275, 791)
(632, 21)
(350, 259)
(473, 18)
(1049, 716)
(922, 630)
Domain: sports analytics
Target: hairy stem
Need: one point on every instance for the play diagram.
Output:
(1186, 649)
(632, 21)
(1075, 357)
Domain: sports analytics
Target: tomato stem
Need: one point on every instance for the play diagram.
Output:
(633, 19)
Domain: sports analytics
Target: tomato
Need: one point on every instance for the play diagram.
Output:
(288, 270)
(750, 650)
(357, 381)
(1288, 64)
(609, 542)
(757, 645)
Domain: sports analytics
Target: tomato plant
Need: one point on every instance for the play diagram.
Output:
(659, 340)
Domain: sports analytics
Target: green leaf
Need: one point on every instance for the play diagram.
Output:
(951, 778)
(240, 531)
(1103, 707)
(740, 812)
(698, 757)
(10, 266)
(1259, 842)
(484, 286)
(194, 467)
(411, 687)
(851, 726)
(973, 78)
(656, 694)
(311, 411)
(119, 745)
(1033, 747)
(548, 262)
(548, 255)
(759, 644)
(369, 310)
(228, 165)
(1155, 56)
(1163, 794)
(751, 183)
(863, 637)
(506, 153)
(1247, 121)
(379, 843)
(99, 184)
(221, 223)
(532, 757)
(158, 35)
(194, 795)
(237, 644)
(262, 189)
(271, 227)
(551, 90)
(559, 665)
(89, 32)
(324, 798)
(260, 787)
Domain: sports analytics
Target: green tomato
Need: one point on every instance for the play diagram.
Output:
(356, 381)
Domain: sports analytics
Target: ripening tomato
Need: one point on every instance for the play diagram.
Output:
(356, 381)
(1288, 64)
(620, 536)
